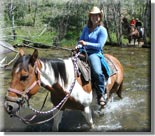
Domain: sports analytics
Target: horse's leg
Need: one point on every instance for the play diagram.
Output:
(56, 120)
(138, 42)
(88, 116)
(119, 92)
(129, 39)
(134, 41)
(108, 88)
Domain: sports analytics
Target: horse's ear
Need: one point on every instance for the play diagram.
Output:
(34, 57)
(21, 52)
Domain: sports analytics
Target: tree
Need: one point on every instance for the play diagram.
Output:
(147, 21)
(11, 8)
(112, 14)
(67, 18)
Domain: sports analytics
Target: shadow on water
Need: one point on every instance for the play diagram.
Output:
(129, 114)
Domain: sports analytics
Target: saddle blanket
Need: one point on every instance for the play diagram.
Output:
(85, 69)
(113, 69)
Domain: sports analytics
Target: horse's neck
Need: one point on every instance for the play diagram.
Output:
(63, 76)
(45, 73)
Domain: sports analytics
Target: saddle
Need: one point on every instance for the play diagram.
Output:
(84, 66)
(85, 70)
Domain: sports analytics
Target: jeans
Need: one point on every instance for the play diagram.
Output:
(97, 74)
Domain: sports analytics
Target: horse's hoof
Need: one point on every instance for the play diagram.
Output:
(101, 111)
(95, 114)
(92, 126)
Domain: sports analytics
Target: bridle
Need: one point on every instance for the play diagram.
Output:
(24, 96)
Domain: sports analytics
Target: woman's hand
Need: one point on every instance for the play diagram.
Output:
(82, 42)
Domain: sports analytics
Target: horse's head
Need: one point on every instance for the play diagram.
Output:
(25, 81)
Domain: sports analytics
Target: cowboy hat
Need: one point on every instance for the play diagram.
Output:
(95, 10)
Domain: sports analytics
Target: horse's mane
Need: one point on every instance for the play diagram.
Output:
(58, 66)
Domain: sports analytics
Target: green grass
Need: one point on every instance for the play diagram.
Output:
(32, 33)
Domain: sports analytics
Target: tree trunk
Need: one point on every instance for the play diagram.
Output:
(107, 26)
(35, 13)
(147, 24)
(11, 15)
(119, 25)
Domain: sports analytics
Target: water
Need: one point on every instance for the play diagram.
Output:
(129, 114)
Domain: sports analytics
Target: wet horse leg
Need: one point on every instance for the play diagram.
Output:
(88, 116)
(129, 39)
(134, 41)
(56, 120)
(57, 113)
(119, 92)
(139, 41)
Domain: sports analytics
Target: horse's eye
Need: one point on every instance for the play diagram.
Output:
(23, 78)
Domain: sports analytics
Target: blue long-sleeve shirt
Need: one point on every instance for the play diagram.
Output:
(95, 40)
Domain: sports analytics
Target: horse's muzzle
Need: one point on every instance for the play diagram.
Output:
(11, 107)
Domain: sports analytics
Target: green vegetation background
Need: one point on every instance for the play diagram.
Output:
(60, 23)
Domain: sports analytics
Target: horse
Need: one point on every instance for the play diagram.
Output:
(134, 34)
(125, 26)
(60, 77)
(131, 32)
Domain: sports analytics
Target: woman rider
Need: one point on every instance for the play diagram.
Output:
(93, 39)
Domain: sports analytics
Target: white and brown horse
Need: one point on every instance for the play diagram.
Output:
(59, 76)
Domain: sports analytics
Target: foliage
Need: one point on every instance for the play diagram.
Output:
(63, 20)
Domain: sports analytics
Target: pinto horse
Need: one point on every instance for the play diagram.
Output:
(61, 78)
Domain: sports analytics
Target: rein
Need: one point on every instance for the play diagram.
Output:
(58, 107)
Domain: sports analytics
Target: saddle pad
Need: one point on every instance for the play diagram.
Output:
(113, 69)
(84, 69)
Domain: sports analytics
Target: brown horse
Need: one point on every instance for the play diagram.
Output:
(61, 78)
(134, 34)
(131, 32)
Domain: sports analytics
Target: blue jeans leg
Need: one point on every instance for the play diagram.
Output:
(97, 74)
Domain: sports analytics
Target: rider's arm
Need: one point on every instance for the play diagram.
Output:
(101, 38)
